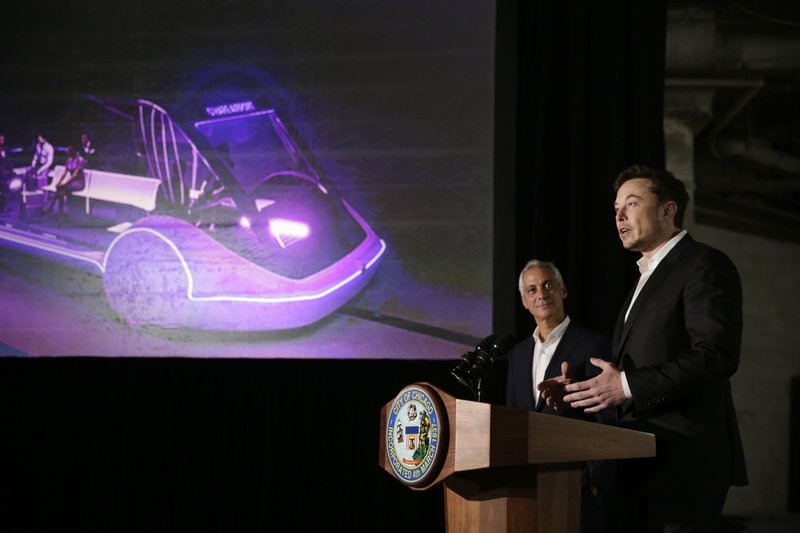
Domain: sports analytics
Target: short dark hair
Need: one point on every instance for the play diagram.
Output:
(663, 184)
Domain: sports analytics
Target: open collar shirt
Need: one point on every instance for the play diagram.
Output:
(543, 353)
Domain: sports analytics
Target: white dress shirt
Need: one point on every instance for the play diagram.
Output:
(43, 157)
(543, 353)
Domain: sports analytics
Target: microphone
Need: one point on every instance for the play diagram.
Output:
(463, 370)
(487, 357)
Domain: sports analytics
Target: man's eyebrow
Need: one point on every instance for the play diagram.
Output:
(543, 282)
(631, 195)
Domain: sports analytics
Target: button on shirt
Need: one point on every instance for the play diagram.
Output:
(543, 353)
(646, 269)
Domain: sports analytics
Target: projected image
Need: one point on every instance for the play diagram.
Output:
(229, 227)
(229, 208)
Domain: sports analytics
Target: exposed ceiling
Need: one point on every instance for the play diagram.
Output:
(733, 74)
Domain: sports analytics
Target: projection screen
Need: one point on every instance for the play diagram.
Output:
(289, 179)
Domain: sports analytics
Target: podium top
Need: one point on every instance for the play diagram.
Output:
(470, 435)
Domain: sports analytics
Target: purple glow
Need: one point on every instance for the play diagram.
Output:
(288, 232)
(15, 184)
(230, 109)
(244, 223)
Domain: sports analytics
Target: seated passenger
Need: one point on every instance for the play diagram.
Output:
(208, 199)
(69, 181)
(40, 164)
(88, 150)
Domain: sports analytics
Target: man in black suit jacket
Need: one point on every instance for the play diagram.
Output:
(6, 174)
(676, 345)
(559, 350)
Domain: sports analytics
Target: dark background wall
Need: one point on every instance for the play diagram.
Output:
(206, 445)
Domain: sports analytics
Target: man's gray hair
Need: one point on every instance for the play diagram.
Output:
(536, 263)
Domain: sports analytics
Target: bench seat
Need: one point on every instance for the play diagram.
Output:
(136, 191)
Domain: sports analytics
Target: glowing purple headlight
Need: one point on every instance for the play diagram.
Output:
(288, 232)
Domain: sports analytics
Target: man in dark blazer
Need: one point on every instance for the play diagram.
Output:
(6, 174)
(558, 349)
(676, 345)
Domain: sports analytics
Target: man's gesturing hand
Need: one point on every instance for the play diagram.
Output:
(552, 390)
(595, 394)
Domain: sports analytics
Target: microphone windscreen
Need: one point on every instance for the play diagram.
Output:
(486, 344)
(502, 345)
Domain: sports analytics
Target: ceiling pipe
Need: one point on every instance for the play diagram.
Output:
(712, 130)
(756, 153)
(737, 147)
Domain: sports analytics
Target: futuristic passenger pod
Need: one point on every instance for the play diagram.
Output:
(220, 221)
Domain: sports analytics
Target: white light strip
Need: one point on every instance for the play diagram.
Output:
(250, 299)
(102, 268)
(52, 248)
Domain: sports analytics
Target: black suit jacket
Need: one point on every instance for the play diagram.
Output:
(678, 348)
(6, 168)
(577, 345)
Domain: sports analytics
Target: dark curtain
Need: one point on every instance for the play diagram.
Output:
(238, 445)
(579, 98)
(93, 444)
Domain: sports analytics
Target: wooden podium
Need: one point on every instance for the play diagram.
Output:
(507, 469)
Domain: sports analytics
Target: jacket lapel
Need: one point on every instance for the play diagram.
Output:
(620, 324)
(656, 278)
(528, 371)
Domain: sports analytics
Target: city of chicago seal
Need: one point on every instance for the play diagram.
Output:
(414, 434)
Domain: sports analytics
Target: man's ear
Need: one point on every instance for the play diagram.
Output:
(669, 209)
